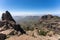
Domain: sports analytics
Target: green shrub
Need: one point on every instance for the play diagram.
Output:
(42, 33)
(28, 28)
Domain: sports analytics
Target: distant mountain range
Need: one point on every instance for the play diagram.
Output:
(19, 19)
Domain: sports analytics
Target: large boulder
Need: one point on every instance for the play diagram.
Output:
(17, 27)
(3, 36)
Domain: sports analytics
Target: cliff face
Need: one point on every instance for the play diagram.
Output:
(7, 16)
(45, 17)
(9, 23)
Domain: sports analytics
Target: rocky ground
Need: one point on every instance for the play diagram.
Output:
(29, 37)
(26, 37)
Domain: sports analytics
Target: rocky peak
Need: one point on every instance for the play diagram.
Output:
(9, 23)
(7, 16)
(47, 17)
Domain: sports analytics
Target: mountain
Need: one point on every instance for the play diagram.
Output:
(19, 19)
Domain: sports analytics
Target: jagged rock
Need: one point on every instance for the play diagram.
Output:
(9, 23)
(11, 33)
(7, 16)
(7, 20)
(7, 32)
(49, 26)
(3, 36)
(47, 17)
(18, 28)
(1, 23)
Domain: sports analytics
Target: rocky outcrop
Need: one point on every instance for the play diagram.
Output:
(1, 23)
(45, 17)
(3, 36)
(18, 28)
(9, 23)
(7, 16)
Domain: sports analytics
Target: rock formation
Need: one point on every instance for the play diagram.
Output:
(1, 23)
(9, 23)
(18, 28)
(7, 16)
(2, 36)
(47, 17)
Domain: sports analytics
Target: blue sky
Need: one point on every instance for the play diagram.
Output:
(30, 7)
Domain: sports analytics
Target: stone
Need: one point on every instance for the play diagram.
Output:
(47, 17)
(18, 28)
(3, 36)
(9, 23)
(7, 16)
(1, 23)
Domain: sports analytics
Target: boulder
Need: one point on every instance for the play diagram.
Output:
(17, 27)
(3, 36)
(1, 23)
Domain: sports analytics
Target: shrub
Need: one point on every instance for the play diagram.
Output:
(42, 33)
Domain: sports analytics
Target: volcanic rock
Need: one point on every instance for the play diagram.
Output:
(18, 28)
(2, 36)
(1, 23)
(47, 17)
(9, 23)
(7, 16)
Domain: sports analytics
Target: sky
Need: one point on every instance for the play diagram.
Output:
(30, 7)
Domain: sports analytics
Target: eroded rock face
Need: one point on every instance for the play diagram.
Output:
(7, 16)
(47, 17)
(1, 23)
(18, 28)
(9, 23)
(2, 36)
